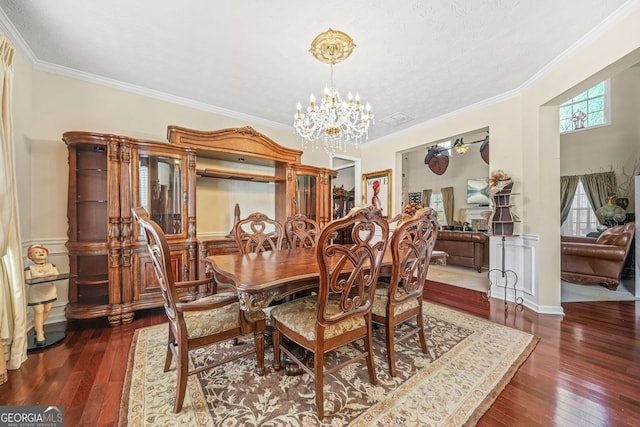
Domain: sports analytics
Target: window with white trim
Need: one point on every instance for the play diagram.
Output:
(586, 110)
(582, 219)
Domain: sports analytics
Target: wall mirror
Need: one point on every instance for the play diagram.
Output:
(466, 164)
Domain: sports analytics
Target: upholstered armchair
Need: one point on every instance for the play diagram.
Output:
(592, 261)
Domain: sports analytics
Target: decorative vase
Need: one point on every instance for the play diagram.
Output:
(606, 213)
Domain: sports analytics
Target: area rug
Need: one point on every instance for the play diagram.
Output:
(469, 362)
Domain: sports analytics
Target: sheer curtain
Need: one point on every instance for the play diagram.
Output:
(13, 305)
(448, 203)
(568, 186)
(426, 198)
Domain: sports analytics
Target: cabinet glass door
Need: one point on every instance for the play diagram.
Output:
(306, 195)
(160, 190)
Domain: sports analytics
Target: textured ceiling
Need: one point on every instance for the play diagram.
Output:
(415, 60)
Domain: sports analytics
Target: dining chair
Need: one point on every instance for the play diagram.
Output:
(199, 323)
(340, 312)
(301, 231)
(393, 222)
(258, 233)
(400, 300)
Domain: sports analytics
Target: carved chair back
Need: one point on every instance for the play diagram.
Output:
(301, 231)
(362, 258)
(158, 250)
(411, 246)
(258, 233)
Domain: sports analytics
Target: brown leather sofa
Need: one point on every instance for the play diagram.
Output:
(467, 248)
(597, 260)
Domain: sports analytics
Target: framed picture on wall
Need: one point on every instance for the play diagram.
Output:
(376, 190)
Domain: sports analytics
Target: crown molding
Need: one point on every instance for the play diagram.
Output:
(140, 90)
(469, 108)
(7, 26)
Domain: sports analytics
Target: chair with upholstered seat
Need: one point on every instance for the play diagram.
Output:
(258, 233)
(301, 231)
(400, 300)
(199, 323)
(340, 313)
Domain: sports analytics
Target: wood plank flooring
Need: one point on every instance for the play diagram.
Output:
(585, 370)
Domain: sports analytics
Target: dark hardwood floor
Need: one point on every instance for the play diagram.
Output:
(585, 371)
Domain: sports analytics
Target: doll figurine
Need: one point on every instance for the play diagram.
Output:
(42, 295)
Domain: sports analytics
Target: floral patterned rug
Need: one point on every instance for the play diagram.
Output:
(470, 361)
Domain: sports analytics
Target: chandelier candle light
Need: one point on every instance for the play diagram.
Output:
(334, 121)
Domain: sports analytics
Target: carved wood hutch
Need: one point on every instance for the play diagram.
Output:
(110, 174)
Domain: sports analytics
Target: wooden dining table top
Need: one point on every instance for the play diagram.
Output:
(282, 272)
(270, 270)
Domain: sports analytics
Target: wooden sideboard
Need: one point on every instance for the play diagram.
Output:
(110, 174)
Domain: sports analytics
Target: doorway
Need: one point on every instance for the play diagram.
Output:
(347, 183)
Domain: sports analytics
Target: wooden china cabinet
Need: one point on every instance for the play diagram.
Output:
(110, 174)
(299, 188)
(308, 192)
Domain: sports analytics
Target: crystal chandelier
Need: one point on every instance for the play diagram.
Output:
(334, 121)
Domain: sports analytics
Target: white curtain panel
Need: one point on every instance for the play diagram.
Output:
(13, 306)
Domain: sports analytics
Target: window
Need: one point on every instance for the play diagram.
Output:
(445, 144)
(589, 109)
(582, 219)
(436, 204)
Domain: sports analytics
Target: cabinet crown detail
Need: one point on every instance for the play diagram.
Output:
(234, 144)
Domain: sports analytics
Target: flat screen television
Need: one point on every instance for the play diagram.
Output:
(478, 191)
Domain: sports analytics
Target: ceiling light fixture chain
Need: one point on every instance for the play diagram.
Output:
(333, 122)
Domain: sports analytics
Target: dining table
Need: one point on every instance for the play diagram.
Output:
(260, 278)
(263, 277)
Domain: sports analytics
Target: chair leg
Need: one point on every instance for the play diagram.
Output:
(258, 338)
(170, 342)
(368, 342)
(275, 339)
(319, 371)
(423, 341)
(391, 350)
(183, 376)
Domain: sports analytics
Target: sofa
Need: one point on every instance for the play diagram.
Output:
(597, 260)
(466, 248)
